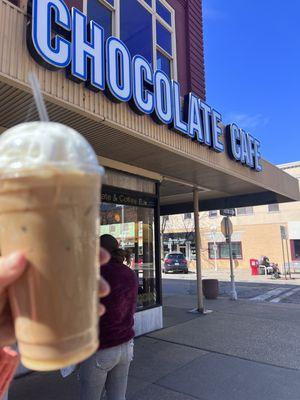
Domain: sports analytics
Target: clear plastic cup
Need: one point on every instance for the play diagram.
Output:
(50, 184)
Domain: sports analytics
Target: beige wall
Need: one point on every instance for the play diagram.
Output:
(256, 239)
(259, 233)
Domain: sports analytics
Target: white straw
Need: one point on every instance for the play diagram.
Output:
(38, 97)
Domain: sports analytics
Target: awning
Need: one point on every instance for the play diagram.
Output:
(223, 184)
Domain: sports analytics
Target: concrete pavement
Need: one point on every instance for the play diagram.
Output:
(242, 351)
(258, 288)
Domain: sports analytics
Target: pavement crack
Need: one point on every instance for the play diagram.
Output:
(176, 391)
(225, 354)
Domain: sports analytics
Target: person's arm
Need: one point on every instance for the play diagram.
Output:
(9, 361)
(11, 268)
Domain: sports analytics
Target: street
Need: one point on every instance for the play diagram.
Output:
(254, 289)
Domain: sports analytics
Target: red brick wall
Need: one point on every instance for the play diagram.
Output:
(190, 52)
(195, 47)
(180, 7)
(74, 3)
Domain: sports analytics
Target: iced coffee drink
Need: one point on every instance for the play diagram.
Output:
(49, 208)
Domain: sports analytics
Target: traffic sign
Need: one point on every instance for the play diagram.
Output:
(226, 227)
(228, 212)
(283, 232)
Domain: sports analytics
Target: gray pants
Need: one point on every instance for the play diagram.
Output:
(107, 369)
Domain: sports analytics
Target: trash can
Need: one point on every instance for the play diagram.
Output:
(210, 288)
(254, 265)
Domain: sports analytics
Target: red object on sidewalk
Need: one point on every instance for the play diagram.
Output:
(254, 264)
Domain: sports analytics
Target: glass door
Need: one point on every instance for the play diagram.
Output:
(133, 227)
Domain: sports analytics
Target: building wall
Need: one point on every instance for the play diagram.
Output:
(256, 240)
(189, 42)
(190, 48)
(258, 233)
(196, 49)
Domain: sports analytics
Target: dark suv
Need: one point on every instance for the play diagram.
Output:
(175, 262)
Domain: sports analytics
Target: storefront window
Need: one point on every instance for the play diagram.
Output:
(221, 250)
(101, 14)
(163, 12)
(244, 211)
(273, 208)
(147, 27)
(136, 28)
(163, 63)
(164, 38)
(133, 227)
(295, 249)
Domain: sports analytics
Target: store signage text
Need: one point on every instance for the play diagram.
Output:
(127, 200)
(61, 39)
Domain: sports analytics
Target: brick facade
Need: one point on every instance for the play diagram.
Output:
(190, 47)
(195, 50)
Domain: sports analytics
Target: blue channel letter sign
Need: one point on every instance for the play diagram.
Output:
(59, 38)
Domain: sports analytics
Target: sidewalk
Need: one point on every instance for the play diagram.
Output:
(241, 275)
(242, 351)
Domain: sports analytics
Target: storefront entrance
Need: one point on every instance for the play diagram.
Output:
(132, 218)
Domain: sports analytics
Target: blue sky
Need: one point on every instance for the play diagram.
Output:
(252, 61)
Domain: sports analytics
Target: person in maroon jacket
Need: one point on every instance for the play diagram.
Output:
(108, 368)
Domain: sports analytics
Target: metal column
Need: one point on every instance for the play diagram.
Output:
(200, 305)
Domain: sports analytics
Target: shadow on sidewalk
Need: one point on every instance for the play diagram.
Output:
(225, 355)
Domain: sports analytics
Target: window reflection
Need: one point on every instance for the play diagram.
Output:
(221, 250)
(164, 38)
(136, 28)
(163, 12)
(163, 63)
(149, 34)
(100, 14)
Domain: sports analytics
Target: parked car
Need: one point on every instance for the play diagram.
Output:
(175, 262)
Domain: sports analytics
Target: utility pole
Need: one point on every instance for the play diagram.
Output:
(227, 230)
(233, 288)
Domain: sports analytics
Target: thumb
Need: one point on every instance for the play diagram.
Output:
(11, 268)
